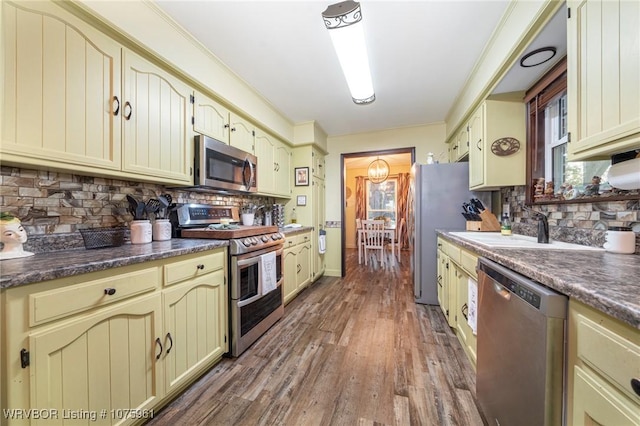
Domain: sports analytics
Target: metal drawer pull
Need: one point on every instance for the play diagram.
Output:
(115, 99)
(128, 116)
(200, 266)
(110, 291)
(170, 341)
(159, 343)
(635, 385)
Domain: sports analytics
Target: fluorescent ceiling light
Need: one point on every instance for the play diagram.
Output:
(344, 22)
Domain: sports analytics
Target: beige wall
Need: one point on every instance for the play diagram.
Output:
(425, 139)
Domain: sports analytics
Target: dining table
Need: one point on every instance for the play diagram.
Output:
(390, 233)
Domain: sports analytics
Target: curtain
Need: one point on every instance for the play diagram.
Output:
(403, 192)
(361, 198)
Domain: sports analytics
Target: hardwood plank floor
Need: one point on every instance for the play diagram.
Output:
(352, 351)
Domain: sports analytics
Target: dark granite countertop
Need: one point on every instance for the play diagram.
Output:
(293, 231)
(64, 263)
(605, 281)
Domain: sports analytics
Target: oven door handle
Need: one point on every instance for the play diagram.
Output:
(249, 261)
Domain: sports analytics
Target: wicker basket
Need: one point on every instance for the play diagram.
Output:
(102, 237)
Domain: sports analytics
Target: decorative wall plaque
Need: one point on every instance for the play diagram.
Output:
(505, 146)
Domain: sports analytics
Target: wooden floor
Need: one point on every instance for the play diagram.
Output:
(352, 351)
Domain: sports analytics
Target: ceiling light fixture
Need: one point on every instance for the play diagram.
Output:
(378, 171)
(344, 22)
(537, 57)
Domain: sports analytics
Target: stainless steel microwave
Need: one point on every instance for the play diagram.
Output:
(224, 168)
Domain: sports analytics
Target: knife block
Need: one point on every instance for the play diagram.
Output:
(489, 223)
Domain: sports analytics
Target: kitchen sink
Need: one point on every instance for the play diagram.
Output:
(497, 240)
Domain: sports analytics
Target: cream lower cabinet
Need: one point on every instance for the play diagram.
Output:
(604, 369)
(456, 275)
(603, 65)
(297, 264)
(99, 362)
(490, 167)
(112, 341)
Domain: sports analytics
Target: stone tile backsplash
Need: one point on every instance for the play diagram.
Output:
(581, 223)
(52, 204)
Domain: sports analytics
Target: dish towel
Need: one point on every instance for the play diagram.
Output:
(268, 272)
(322, 243)
(473, 306)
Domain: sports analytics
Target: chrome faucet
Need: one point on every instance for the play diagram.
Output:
(543, 224)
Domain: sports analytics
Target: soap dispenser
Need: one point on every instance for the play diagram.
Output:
(505, 226)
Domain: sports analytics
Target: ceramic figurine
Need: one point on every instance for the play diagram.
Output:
(13, 236)
(549, 189)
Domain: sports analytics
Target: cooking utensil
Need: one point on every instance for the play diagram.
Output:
(136, 208)
(165, 201)
(152, 206)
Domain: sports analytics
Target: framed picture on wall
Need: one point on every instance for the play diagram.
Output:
(302, 176)
(302, 200)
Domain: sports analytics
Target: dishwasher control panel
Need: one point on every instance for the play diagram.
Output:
(519, 289)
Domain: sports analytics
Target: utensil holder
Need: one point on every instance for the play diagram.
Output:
(247, 219)
(141, 232)
(489, 223)
(161, 230)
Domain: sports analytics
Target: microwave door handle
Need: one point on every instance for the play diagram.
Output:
(251, 177)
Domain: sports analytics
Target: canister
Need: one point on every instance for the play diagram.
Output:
(620, 240)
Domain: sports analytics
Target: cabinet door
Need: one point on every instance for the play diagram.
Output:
(155, 126)
(290, 273)
(462, 143)
(476, 154)
(195, 324)
(463, 330)
(61, 90)
(318, 202)
(103, 361)
(318, 164)
(304, 264)
(443, 283)
(242, 134)
(597, 403)
(210, 118)
(603, 55)
(267, 170)
(283, 170)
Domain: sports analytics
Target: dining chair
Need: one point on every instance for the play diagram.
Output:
(373, 231)
(359, 239)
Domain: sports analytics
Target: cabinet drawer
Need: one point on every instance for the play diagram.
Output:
(294, 240)
(453, 252)
(609, 348)
(193, 266)
(468, 262)
(53, 304)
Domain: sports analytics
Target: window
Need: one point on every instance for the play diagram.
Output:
(382, 200)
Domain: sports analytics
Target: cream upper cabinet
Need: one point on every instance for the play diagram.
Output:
(458, 145)
(62, 101)
(491, 128)
(604, 369)
(318, 164)
(210, 118)
(284, 173)
(274, 165)
(603, 79)
(101, 361)
(242, 133)
(155, 111)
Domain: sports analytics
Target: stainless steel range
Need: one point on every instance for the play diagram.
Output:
(255, 268)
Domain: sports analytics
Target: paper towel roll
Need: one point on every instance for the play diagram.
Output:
(625, 175)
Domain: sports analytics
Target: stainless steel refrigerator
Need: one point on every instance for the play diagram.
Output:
(436, 194)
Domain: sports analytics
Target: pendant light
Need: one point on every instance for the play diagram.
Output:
(378, 171)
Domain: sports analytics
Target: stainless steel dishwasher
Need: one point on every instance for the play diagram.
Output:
(521, 348)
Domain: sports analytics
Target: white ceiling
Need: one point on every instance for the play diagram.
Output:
(421, 53)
